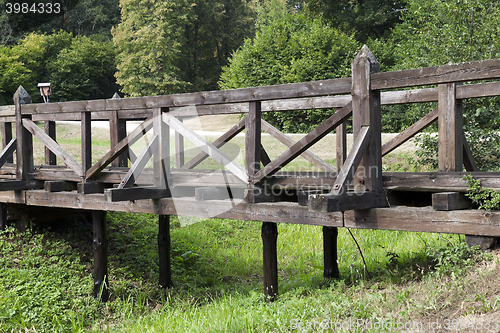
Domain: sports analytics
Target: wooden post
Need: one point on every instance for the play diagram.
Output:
(3, 215)
(270, 259)
(165, 279)
(86, 142)
(366, 112)
(6, 132)
(341, 141)
(24, 149)
(179, 149)
(162, 156)
(252, 145)
(450, 123)
(117, 132)
(100, 247)
(331, 268)
(50, 130)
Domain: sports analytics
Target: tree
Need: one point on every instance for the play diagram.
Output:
(177, 45)
(289, 47)
(434, 33)
(78, 68)
(85, 70)
(365, 18)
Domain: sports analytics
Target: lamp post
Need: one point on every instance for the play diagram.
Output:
(45, 91)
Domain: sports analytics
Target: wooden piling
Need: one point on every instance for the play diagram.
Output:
(331, 268)
(24, 150)
(50, 130)
(3, 216)
(100, 247)
(165, 279)
(270, 259)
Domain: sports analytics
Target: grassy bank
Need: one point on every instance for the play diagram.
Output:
(46, 284)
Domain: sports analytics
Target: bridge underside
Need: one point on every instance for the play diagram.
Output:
(415, 200)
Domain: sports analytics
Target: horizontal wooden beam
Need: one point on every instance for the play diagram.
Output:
(450, 201)
(135, 193)
(426, 219)
(466, 71)
(291, 90)
(19, 185)
(59, 186)
(346, 201)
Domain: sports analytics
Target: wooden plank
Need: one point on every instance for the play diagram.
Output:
(309, 156)
(217, 193)
(135, 135)
(59, 186)
(437, 181)
(486, 89)
(346, 201)
(6, 132)
(330, 267)
(366, 112)
(117, 132)
(422, 95)
(100, 249)
(86, 134)
(264, 156)
(291, 90)
(24, 149)
(269, 235)
(179, 149)
(341, 143)
(253, 123)
(207, 147)
(165, 273)
(226, 137)
(450, 201)
(140, 163)
(408, 133)
(350, 165)
(305, 143)
(90, 188)
(3, 216)
(469, 162)
(161, 158)
(7, 110)
(19, 185)
(466, 71)
(135, 193)
(50, 130)
(53, 146)
(6, 154)
(426, 219)
(450, 133)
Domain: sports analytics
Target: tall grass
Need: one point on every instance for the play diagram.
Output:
(46, 282)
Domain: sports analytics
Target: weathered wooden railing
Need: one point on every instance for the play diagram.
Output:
(356, 186)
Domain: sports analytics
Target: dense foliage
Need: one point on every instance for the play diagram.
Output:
(177, 46)
(290, 47)
(78, 67)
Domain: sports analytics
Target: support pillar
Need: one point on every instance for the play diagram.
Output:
(270, 259)
(3, 216)
(165, 280)
(331, 268)
(100, 247)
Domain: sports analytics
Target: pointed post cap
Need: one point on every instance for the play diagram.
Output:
(22, 96)
(115, 96)
(365, 55)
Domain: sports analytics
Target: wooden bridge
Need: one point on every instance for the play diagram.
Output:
(355, 193)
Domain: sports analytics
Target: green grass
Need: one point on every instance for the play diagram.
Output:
(46, 283)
